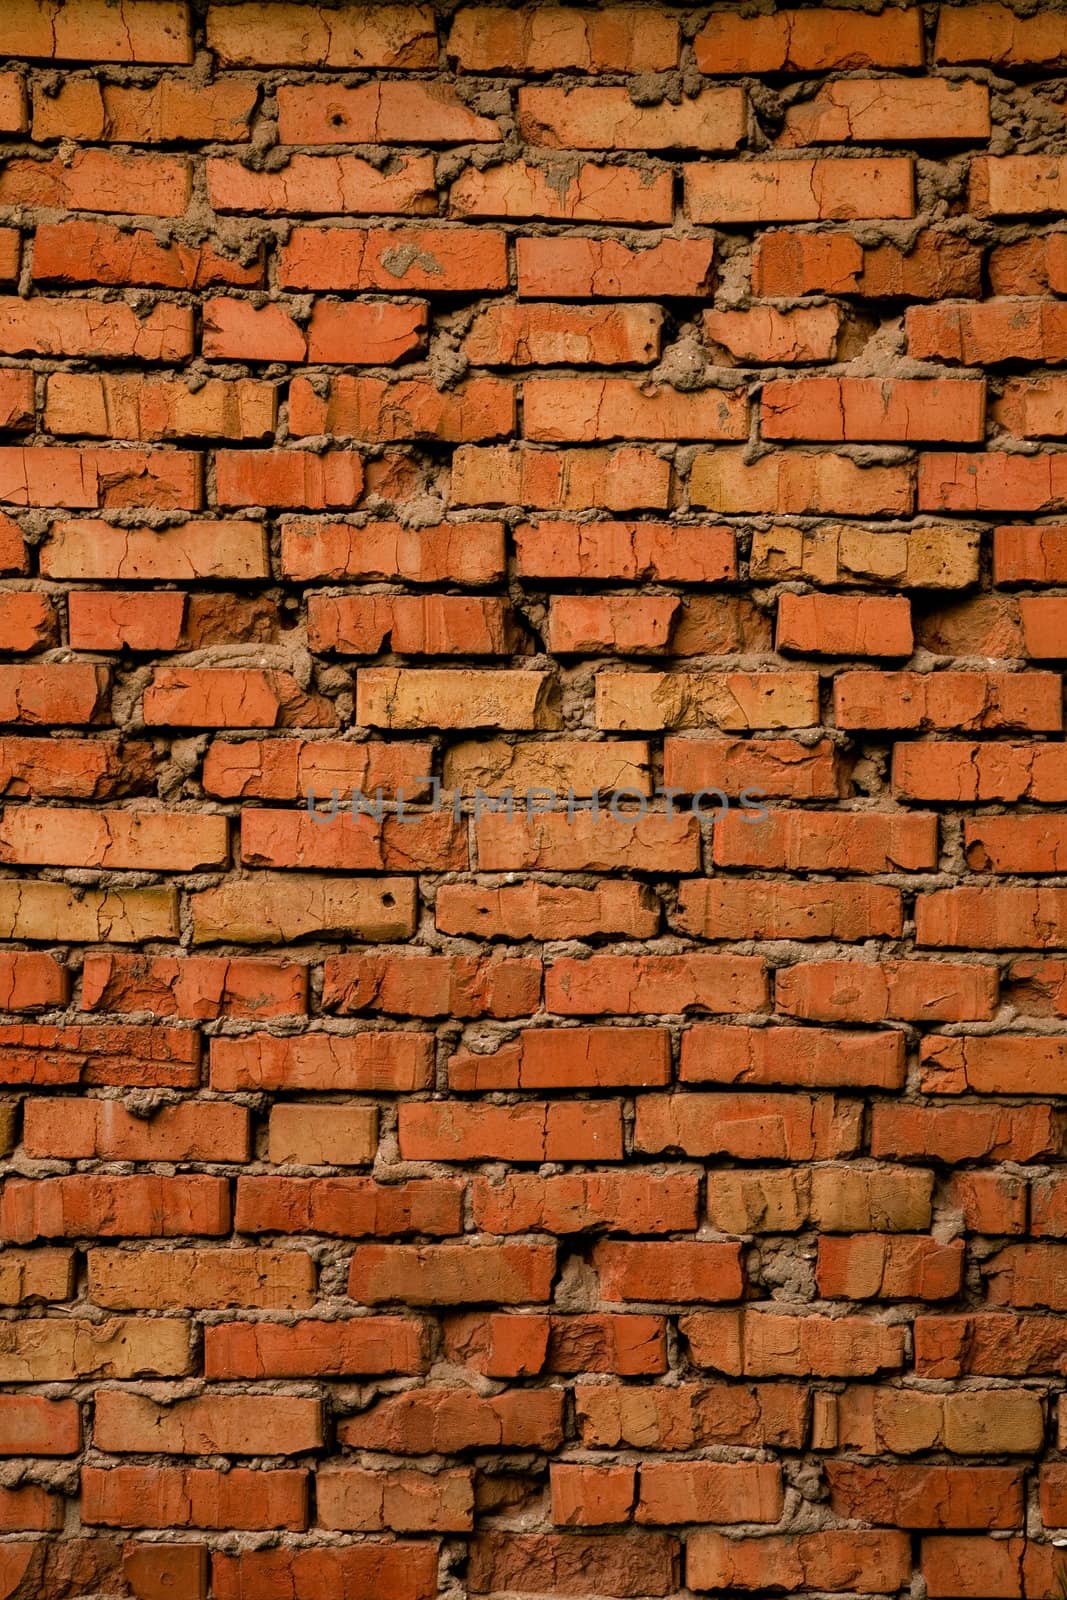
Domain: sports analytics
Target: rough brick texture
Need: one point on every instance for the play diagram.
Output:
(610, 1199)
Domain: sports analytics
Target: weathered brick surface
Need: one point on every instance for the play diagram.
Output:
(658, 1187)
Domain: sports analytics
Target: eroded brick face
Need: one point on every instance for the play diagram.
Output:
(612, 1197)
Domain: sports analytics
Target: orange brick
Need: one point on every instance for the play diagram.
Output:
(809, 41)
(900, 409)
(618, 39)
(739, 192)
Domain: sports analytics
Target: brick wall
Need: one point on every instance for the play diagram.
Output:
(579, 1202)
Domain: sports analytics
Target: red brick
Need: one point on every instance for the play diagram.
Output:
(209, 1424)
(101, 252)
(136, 1207)
(799, 483)
(74, 768)
(27, 621)
(826, 841)
(859, 991)
(100, 180)
(1014, 186)
(412, 984)
(275, 908)
(412, 625)
(689, 1414)
(30, 1509)
(99, 479)
(968, 1566)
(566, 1058)
(825, 189)
(364, 335)
(1036, 986)
(809, 41)
(624, 551)
(31, 982)
(109, 1054)
(89, 30)
(938, 265)
(16, 399)
(606, 119)
(839, 625)
(375, 409)
(240, 331)
(993, 482)
(573, 1202)
(965, 1133)
(989, 1202)
(69, 693)
(449, 260)
(232, 697)
(622, 478)
(378, 113)
(1000, 330)
(750, 909)
(32, 1425)
(813, 1057)
(83, 1129)
(874, 1266)
(760, 1126)
(771, 1344)
(568, 1563)
(1028, 1274)
(349, 1206)
(1030, 555)
(197, 1497)
(471, 553)
(48, 327)
(540, 910)
(552, 842)
(314, 1061)
(10, 254)
(432, 1275)
(533, 1131)
(268, 33)
(180, 1279)
(951, 701)
(901, 409)
(995, 34)
(993, 1343)
(159, 113)
(394, 1569)
(616, 39)
(508, 1346)
(357, 844)
(561, 409)
(903, 112)
(655, 983)
(678, 1271)
(146, 841)
(12, 103)
(564, 268)
(295, 1349)
(87, 548)
(288, 478)
(324, 185)
(779, 768)
(549, 335)
(992, 918)
(836, 1559)
(399, 1500)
